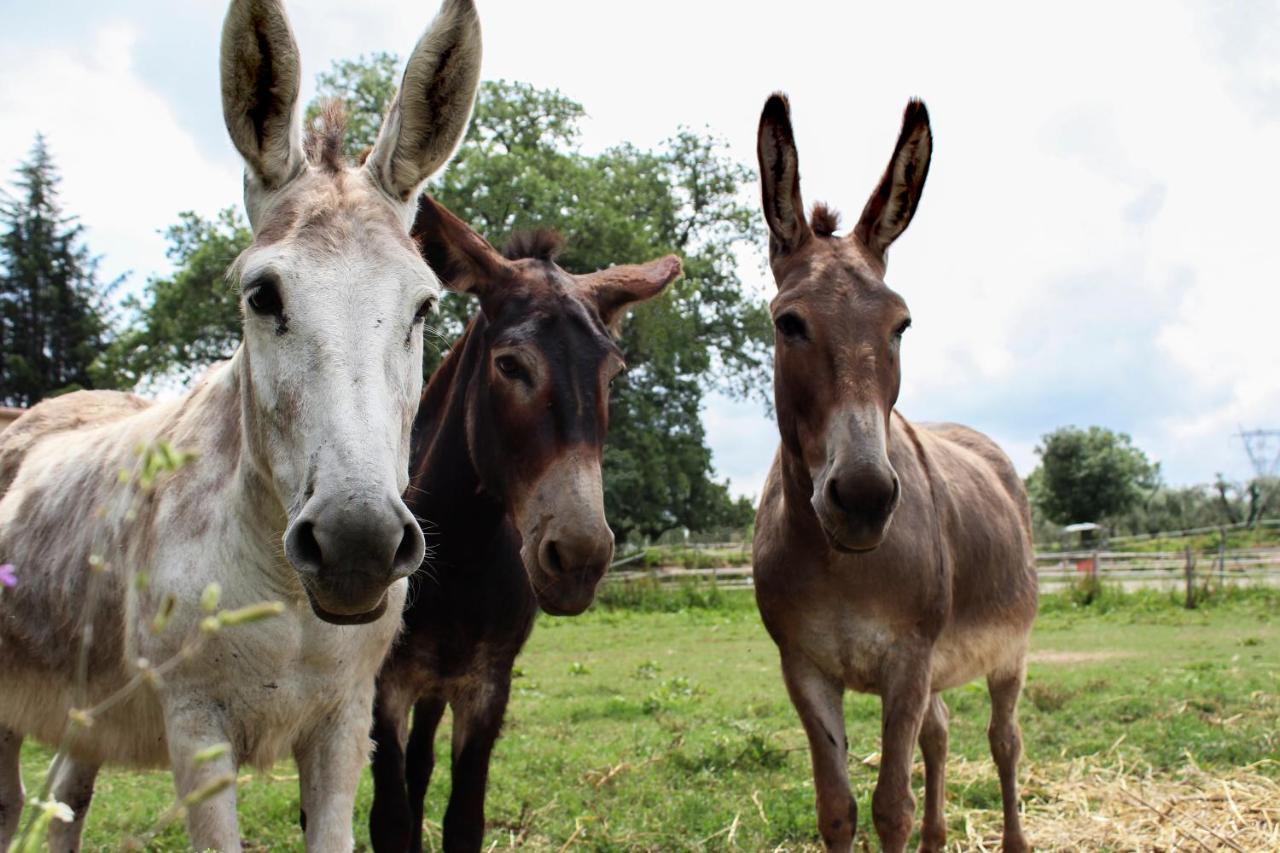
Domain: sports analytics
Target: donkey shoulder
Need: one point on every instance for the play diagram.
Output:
(987, 450)
(60, 414)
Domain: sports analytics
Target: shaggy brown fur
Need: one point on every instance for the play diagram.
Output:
(825, 220)
(541, 244)
(505, 469)
(890, 558)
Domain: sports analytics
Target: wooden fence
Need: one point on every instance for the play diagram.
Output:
(1054, 568)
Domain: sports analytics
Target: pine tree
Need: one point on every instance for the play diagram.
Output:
(54, 312)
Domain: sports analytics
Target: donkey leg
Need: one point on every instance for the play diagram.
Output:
(420, 760)
(819, 701)
(11, 793)
(904, 698)
(192, 727)
(933, 744)
(330, 759)
(1005, 737)
(390, 826)
(477, 721)
(73, 785)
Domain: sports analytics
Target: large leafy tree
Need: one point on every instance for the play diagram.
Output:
(521, 166)
(191, 317)
(55, 317)
(1090, 474)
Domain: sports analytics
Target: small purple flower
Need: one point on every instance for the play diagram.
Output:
(7, 576)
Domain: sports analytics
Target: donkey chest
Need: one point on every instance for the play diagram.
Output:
(850, 647)
(274, 681)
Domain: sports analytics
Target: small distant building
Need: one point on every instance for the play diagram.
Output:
(1080, 537)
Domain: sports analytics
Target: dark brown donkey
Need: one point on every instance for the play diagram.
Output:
(890, 558)
(506, 474)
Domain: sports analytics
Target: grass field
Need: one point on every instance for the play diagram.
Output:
(663, 725)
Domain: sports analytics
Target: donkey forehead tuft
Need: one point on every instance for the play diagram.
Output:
(825, 220)
(540, 244)
(326, 134)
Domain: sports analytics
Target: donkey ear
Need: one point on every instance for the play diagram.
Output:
(464, 261)
(891, 206)
(617, 288)
(780, 178)
(431, 111)
(260, 78)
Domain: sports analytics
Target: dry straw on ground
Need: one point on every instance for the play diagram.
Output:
(1083, 805)
(1094, 803)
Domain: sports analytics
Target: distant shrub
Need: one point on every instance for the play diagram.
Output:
(648, 595)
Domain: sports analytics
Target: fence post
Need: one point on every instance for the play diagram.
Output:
(1191, 579)
(1222, 556)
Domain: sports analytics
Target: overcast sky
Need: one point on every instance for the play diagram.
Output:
(1091, 247)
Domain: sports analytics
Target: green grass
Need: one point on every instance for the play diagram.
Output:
(657, 721)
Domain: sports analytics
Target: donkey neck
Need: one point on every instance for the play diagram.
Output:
(222, 488)
(446, 483)
(220, 420)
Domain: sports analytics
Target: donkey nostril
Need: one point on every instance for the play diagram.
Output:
(407, 550)
(833, 494)
(306, 547)
(554, 563)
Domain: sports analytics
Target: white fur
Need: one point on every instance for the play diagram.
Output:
(320, 411)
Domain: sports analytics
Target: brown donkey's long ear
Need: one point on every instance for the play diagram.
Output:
(891, 206)
(261, 74)
(617, 288)
(464, 261)
(780, 179)
(430, 113)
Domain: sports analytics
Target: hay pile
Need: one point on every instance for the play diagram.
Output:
(1080, 805)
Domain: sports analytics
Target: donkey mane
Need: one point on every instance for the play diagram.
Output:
(539, 244)
(325, 135)
(825, 220)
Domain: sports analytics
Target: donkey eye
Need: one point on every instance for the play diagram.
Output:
(791, 327)
(263, 297)
(423, 310)
(902, 328)
(509, 366)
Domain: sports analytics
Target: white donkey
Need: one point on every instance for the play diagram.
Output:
(301, 452)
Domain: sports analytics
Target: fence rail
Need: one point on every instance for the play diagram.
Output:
(1052, 568)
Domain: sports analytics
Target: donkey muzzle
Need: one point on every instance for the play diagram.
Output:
(348, 549)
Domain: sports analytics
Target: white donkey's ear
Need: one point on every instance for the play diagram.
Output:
(431, 111)
(260, 78)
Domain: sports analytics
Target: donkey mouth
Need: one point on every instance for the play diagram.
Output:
(839, 543)
(362, 618)
(849, 549)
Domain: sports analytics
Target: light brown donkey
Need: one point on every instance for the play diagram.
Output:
(890, 558)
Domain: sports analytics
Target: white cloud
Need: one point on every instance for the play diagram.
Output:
(1092, 247)
(127, 165)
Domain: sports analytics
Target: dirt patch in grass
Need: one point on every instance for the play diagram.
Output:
(1058, 657)
(1085, 805)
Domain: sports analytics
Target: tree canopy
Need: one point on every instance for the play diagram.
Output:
(522, 166)
(190, 318)
(1086, 475)
(55, 314)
